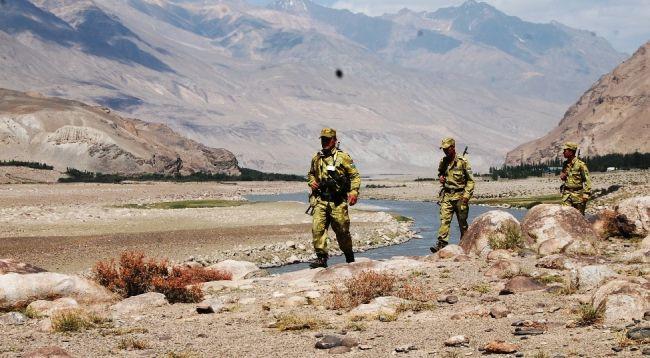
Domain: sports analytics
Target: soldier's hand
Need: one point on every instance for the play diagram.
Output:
(352, 199)
(584, 199)
(563, 176)
(314, 185)
(464, 200)
(442, 179)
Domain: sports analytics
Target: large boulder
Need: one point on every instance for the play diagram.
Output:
(549, 229)
(622, 301)
(637, 212)
(13, 266)
(493, 223)
(238, 269)
(589, 277)
(21, 289)
(380, 305)
(556, 262)
(48, 308)
(344, 271)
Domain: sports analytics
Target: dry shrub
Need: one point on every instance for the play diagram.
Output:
(507, 237)
(136, 275)
(415, 292)
(362, 288)
(70, 321)
(294, 322)
(589, 315)
(131, 343)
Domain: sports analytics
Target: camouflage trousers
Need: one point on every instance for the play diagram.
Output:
(450, 205)
(328, 213)
(574, 199)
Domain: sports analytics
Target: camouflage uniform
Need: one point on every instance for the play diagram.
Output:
(337, 177)
(576, 189)
(459, 183)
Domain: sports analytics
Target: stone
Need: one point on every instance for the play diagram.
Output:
(500, 347)
(238, 269)
(328, 341)
(589, 277)
(13, 266)
(623, 300)
(491, 223)
(497, 255)
(502, 268)
(527, 331)
(520, 284)
(449, 251)
(580, 247)
(22, 289)
(499, 311)
(13, 319)
(641, 256)
(48, 308)
(48, 352)
(380, 305)
(645, 243)
(257, 274)
(556, 262)
(343, 271)
(350, 342)
(139, 304)
(607, 223)
(339, 350)
(637, 212)
(451, 299)
(646, 316)
(457, 341)
(639, 333)
(212, 305)
(312, 295)
(549, 228)
(364, 347)
(476, 311)
(406, 349)
(296, 301)
(646, 351)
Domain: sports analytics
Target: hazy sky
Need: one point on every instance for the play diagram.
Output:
(624, 23)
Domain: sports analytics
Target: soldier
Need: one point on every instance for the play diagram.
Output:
(576, 189)
(455, 175)
(334, 181)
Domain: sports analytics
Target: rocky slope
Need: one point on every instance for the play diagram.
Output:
(261, 82)
(613, 116)
(66, 133)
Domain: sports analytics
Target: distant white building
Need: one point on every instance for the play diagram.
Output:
(611, 169)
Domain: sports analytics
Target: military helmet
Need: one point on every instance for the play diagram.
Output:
(328, 133)
(447, 142)
(570, 145)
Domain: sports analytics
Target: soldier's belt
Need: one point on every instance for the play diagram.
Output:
(450, 191)
(572, 189)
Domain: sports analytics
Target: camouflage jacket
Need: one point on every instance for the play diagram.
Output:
(458, 175)
(343, 165)
(577, 176)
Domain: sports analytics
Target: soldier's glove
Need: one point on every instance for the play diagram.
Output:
(314, 185)
(352, 199)
(464, 200)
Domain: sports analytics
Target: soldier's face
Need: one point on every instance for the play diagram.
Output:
(327, 143)
(568, 153)
(450, 152)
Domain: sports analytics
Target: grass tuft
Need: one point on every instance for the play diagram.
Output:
(186, 204)
(294, 322)
(589, 315)
(130, 343)
(70, 321)
(360, 289)
(507, 237)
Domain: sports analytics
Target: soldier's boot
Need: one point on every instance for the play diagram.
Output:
(319, 261)
(441, 244)
(349, 257)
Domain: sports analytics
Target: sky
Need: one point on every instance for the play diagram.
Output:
(624, 23)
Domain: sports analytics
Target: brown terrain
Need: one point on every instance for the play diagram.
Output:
(613, 116)
(66, 133)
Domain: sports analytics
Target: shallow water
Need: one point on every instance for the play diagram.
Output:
(424, 214)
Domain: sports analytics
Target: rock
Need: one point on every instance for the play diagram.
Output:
(238, 269)
(139, 304)
(580, 247)
(637, 213)
(379, 305)
(212, 305)
(502, 268)
(257, 274)
(549, 228)
(328, 341)
(500, 347)
(22, 289)
(343, 271)
(556, 262)
(296, 301)
(462, 258)
(646, 351)
(639, 333)
(646, 316)
(13, 318)
(312, 295)
(216, 286)
(451, 299)
(645, 243)
(589, 277)
(406, 349)
(48, 308)
(364, 347)
(622, 301)
(520, 284)
(492, 223)
(499, 311)
(641, 256)
(456, 341)
(607, 223)
(476, 311)
(497, 255)
(48, 352)
(449, 251)
(527, 331)
(339, 350)
(349, 342)
(13, 266)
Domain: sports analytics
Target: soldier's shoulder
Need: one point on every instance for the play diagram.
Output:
(580, 162)
(344, 155)
(463, 159)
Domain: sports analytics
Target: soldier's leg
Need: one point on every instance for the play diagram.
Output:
(341, 226)
(566, 199)
(319, 228)
(462, 210)
(576, 202)
(446, 214)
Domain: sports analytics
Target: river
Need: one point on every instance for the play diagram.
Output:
(425, 223)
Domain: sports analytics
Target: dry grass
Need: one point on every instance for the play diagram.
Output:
(507, 237)
(182, 354)
(130, 343)
(295, 322)
(416, 292)
(136, 275)
(360, 289)
(568, 289)
(482, 288)
(589, 315)
(123, 331)
(541, 354)
(70, 321)
(546, 279)
(356, 326)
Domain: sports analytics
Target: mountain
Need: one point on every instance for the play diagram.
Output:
(613, 116)
(260, 81)
(71, 134)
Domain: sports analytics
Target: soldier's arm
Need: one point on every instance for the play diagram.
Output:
(311, 175)
(352, 173)
(586, 180)
(469, 186)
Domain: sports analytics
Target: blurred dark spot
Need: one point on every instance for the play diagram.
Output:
(339, 73)
(420, 33)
